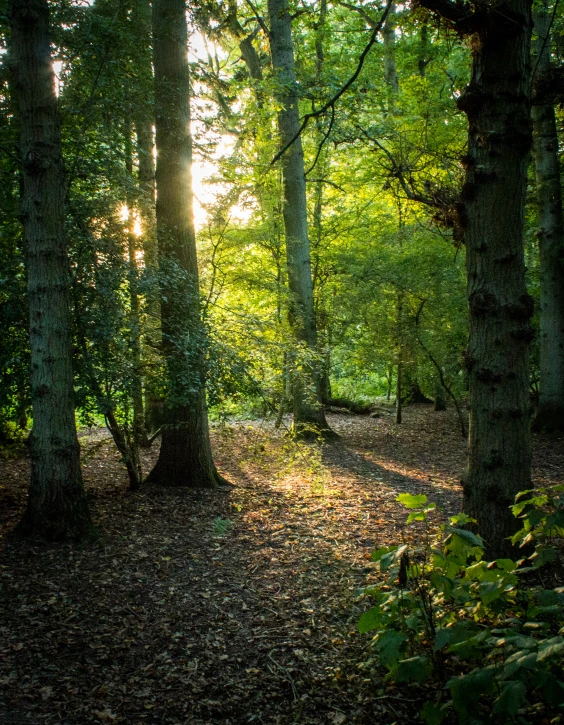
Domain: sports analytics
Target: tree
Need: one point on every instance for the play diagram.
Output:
(491, 212)
(308, 411)
(185, 457)
(550, 415)
(57, 506)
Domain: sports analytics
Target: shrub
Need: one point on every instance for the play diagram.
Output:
(487, 635)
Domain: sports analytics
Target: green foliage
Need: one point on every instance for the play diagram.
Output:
(542, 513)
(487, 636)
(222, 526)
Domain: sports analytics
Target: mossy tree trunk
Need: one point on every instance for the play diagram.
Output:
(57, 507)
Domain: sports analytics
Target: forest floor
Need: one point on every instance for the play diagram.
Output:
(230, 606)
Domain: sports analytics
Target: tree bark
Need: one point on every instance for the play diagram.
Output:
(139, 433)
(497, 103)
(390, 70)
(185, 457)
(309, 418)
(57, 507)
(550, 415)
(144, 119)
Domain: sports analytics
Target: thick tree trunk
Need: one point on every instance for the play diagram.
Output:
(497, 103)
(185, 457)
(309, 418)
(550, 415)
(57, 506)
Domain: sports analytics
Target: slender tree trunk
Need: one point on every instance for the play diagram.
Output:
(309, 418)
(185, 457)
(399, 376)
(57, 506)
(139, 433)
(550, 415)
(390, 70)
(497, 103)
(440, 398)
(423, 51)
(144, 119)
(390, 381)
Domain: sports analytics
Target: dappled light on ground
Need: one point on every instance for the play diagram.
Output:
(228, 606)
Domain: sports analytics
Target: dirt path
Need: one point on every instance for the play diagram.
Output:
(235, 606)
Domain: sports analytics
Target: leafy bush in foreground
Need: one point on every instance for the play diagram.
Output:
(442, 609)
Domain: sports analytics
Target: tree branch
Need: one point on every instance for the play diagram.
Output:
(330, 103)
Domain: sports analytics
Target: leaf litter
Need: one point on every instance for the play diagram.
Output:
(227, 606)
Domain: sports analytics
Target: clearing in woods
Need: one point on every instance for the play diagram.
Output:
(230, 606)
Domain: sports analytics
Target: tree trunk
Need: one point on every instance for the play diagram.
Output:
(550, 415)
(144, 119)
(57, 506)
(440, 398)
(398, 392)
(309, 418)
(185, 457)
(139, 433)
(390, 70)
(423, 50)
(497, 103)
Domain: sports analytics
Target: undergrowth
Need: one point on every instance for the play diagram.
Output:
(485, 637)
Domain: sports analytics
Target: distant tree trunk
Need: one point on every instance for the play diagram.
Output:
(139, 433)
(144, 119)
(309, 418)
(390, 70)
(440, 398)
(323, 337)
(398, 392)
(389, 381)
(57, 506)
(497, 103)
(423, 51)
(185, 457)
(550, 415)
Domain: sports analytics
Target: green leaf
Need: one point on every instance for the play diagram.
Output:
(490, 591)
(379, 553)
(471, 647)
(417, 516)
(467, 689)
(441, 583)
(551, 648)
(458, 632)
(370, 620)
(512, 696)
(414, 669)
(469, 537)
(433, 714)
(518, 660)
(461, 519)
(389, 647)
(506, 564)
(412, 501)
(534, 612)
